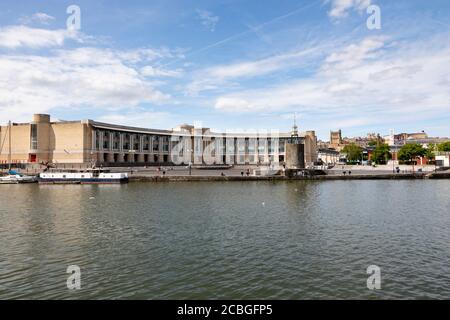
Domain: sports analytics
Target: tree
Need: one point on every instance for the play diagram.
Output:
(409, 153)
(354, 152)
(431, 148)
(381, 154)
(444, 147)
(372, 143)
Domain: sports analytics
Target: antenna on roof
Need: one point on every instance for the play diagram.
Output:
(294, 132)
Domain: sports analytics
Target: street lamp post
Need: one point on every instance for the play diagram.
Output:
(435, 155)
(393, 162)
(191, 151)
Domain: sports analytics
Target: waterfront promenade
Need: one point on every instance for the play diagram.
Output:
(240, 174)
(245, 173)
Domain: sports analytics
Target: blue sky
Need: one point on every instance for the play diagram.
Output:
(230, 64)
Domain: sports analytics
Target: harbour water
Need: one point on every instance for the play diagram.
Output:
(226, 240)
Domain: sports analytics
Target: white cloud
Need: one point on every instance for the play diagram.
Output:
(150, 71)
(149, 54)
(208, 19)
(354, 54)
(38, 17)
(340, 8)
(374, 79)
(142, 119)
(13, 37)
(221, 75)
(84, 77)
(232, 104)
(259, 67)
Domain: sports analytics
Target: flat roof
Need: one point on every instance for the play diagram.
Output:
(138, 130)
(115, 127)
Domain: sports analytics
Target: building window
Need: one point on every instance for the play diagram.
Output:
(97, 140)
(251, 143)
(281, 146)
(146, 146)
(106, 142)
(34, 144)
(166, 144)
(262, 145)
(155, 143)
(126, 144)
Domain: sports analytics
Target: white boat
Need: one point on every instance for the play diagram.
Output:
(94, 176)
(266, 171)
(16, 178)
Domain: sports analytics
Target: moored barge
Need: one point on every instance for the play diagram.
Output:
(95, 176)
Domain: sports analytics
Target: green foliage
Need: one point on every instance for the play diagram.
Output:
(431, 148)
(409, 152)
(372, 143)
(444, 147)
(354, 152)
(381, 154)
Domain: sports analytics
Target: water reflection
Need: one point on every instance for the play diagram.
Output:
(298, 240)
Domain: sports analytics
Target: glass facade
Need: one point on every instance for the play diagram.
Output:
(34, 138)
(153, 147)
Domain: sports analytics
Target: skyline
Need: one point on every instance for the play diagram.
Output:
(230, 65)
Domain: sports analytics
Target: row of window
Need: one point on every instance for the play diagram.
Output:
(111, 140)
(153, 142)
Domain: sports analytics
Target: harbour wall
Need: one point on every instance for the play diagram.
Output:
(143, 178)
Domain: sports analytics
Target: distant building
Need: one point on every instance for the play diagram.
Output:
(443, 159)
(336, 137)
(397, 141)
(418, 137)
(328, 156)
(337, 142)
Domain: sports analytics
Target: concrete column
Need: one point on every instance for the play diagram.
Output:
(111, 141)
(275, 145)
(263, 142)
(131, 142)
(110, 157)
(150, 144)
(252, 144)
(236, 151)
(161, 143)
(100, 142)
(246, 152)
(94, 139)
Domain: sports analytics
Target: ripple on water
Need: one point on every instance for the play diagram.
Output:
(310, 240)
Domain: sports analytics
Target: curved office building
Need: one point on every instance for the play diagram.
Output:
(91, 142)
